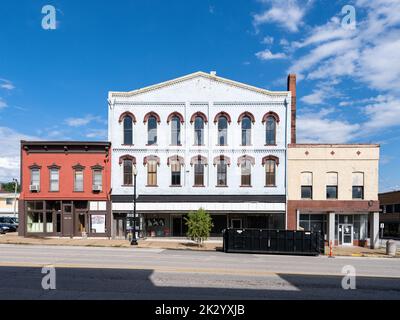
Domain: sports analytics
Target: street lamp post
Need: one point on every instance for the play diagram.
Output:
(15, 196)
(134, 240)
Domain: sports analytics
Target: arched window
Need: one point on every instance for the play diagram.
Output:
(246, 131)
(198, 131)
(222, 163)
(175, 131)
(152, 131)
(222, 131)
(128, 130)
(331, 185)
(198, 162)
(128, 172)
(270, 131)
(306, 185)
(152, 162)
(270, 173)
(246, 173)
(176, 162)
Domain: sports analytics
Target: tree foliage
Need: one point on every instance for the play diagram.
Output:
(10, 187)
(199, 225)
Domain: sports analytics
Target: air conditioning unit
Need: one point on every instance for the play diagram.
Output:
(97, 187)
(34, 188)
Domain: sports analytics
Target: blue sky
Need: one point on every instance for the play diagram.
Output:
(54, 83)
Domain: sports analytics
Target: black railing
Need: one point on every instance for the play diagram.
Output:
(273, 241)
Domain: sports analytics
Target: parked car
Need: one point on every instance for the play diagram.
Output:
(4, 228)
(10, 221)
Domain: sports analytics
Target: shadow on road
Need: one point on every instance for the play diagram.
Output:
(86, 283)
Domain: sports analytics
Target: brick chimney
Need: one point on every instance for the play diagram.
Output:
(291, 86)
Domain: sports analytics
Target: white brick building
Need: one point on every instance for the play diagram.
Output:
(199, 141)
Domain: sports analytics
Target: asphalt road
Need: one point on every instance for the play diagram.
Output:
(113, 273)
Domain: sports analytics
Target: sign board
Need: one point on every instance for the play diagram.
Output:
(98, 223)
(382, 225)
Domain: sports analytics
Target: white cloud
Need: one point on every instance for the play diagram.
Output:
(268, 55)
(99, 134)
(10, 152)
(3, 104)
(288, 14)
(79, 122)
(267, 40)
(319, 128)
(6, 84)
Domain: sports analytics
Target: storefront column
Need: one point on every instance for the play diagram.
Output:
(331, 228)
(374, 230)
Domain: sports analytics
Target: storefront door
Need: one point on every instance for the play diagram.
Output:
(176, 226)
(67, 225)
(347, 234)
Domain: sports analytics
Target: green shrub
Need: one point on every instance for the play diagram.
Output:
(199, 225)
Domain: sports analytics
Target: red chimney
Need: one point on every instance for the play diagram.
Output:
(291, 86)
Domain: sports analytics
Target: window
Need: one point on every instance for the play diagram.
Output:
(175, 131)
(198, 131)
(222, 173)
(128, 172)
(97, 177)
(222, 131)
(152, 173)
(128, 130)
(246, 131)
(152, 131)
(270, 173)
(35, 177)
(306, 185)
(9, 201)
(331, 185)
(199, 174)
(397, 208)
(175, 173)
(358, 185)
(270, 131)
(246, 173)
(78, 180)
(389, 208)
(54, 179)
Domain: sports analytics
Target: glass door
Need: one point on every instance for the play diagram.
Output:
(347, 234)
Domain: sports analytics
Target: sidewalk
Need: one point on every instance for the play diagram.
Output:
(360, 252)
(177, 243)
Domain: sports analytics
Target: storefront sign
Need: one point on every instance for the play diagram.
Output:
(99, 223)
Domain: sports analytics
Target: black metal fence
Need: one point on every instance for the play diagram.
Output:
(273, 241)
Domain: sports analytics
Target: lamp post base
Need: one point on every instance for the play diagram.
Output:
(134, 242)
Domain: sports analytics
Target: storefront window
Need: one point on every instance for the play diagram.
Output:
(49, 222)
(157, 226)
(35, 222)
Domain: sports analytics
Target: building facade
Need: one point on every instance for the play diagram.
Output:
(390, 213)
(200, 141)
(334, 189)
(8, 204)
(65, 189)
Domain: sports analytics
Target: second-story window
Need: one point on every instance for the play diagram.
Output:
(331, 185)
(358, 185)
(35, 178)
(246, 173)
(175, 131)
(152, 131)
(128, 130)
(128, 172)
(198, 131)
(175, 173)
(222, 131)
(306, 185)
(152, 173)
(54, 179)
(78, 180)
(246, 131)
(222, 176)
(270, 173)
(97, 179)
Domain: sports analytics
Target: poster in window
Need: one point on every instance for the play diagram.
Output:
(98, 223)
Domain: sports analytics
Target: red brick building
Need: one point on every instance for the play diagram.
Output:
(65, 189)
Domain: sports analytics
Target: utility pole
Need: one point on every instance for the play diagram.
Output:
(15, 197)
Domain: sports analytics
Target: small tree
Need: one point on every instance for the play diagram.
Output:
(199, 225)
